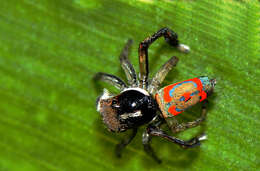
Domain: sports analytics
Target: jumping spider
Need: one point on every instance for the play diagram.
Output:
(142, 102)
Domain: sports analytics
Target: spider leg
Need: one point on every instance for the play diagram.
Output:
(111, 79)
(170, 36)
(155, 131)
(126, 64)
(161, 74)
(119, 147)
(176, 127)
(147, 146)
(146, 139)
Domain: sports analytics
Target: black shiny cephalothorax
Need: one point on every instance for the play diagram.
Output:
(134, 108)
(135, 105)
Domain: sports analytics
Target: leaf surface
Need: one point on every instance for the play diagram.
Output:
(51, 50)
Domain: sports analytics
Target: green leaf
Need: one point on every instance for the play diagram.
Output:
(50, 51)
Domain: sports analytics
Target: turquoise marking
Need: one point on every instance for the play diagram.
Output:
(176, 86)
(178, 110)
(194, 93)
(182, 98)
(205, 81)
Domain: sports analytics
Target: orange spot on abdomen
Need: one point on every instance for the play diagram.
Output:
(172, 110)
(166, 93)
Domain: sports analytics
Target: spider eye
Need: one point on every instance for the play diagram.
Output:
(114, 102)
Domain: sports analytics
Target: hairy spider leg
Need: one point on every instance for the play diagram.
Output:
(170, 37)
(155, 131)
(161, 74)
(111, 79)
(127, 66)
(119, 147)
(176, 127)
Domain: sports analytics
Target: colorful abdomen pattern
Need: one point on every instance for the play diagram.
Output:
(178, 97)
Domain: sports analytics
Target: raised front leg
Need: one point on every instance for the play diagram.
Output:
(111, 79)
(119, 147)
(161, 74)
(170, 37)
(176, 127)
(127, 66)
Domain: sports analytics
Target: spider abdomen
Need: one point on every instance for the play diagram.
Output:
(176, 98)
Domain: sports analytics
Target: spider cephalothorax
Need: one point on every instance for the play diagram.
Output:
(142, 102)
(131, 108)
